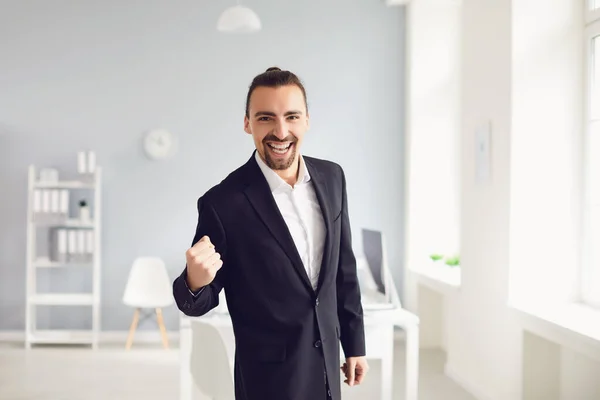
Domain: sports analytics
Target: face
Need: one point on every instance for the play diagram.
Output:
(277, 122)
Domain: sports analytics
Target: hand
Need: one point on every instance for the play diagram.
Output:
(203, 262)
(355, 369)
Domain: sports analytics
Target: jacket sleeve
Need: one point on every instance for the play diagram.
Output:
(207, 297)
(350, 312)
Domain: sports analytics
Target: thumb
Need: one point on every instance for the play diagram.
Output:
(206, 239)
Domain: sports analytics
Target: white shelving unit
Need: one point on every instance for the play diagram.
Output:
(62, 220)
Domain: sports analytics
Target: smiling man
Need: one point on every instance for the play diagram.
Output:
(275, 236)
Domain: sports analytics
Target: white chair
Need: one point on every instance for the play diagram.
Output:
(148, 287)
(210, 364)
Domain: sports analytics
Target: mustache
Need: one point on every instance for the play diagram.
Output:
(272, 138)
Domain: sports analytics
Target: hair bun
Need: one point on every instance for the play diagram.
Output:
(273, 69)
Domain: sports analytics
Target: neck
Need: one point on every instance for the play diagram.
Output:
(290, 175)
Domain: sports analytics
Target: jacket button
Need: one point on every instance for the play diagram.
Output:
(317, 302)
(318, 343)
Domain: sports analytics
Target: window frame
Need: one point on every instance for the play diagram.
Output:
(589, 279)
(591, 14)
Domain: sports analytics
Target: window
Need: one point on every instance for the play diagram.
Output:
(591, 258)
(593, 10)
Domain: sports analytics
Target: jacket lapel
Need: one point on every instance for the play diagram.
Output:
(259, 194)
(322, 191)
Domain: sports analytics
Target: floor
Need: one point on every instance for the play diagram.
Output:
(150, 373)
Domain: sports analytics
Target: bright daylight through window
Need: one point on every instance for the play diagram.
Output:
(590, 278)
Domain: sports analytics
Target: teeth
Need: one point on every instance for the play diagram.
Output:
(280, 146)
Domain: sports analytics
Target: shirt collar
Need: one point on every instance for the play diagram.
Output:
(275, 181)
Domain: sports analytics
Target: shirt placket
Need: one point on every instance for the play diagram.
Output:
(294, 193)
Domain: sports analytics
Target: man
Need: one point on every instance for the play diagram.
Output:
(275, 235)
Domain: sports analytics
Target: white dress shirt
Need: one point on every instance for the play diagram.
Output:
(301, 211)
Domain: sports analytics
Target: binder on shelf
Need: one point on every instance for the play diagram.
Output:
(81, 169)
(54, 202)
(64, 204)
(50, 205)
(62, 246)
(80, 254)
(91, 162)
(86, 164)
(37, 202)
(45, 202)
(72, 246)
(90, 245)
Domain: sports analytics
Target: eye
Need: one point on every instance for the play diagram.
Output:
(262, 119)
(294, 117)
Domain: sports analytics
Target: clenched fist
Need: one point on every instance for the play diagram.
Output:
(203, 262)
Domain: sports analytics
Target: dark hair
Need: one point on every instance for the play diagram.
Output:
(274, 77)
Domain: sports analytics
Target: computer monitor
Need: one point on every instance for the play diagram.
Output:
(381, 294)
(373, 250)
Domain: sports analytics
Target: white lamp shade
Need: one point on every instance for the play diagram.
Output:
(148, 285)
(238, 19)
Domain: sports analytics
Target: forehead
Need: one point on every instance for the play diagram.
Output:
(278, 99)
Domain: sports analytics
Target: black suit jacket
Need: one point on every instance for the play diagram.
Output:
(287, 334)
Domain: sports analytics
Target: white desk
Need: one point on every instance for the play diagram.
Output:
(379, 335)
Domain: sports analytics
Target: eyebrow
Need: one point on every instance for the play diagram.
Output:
(272, 114)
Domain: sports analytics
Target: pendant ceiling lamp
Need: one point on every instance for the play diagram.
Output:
(238, 19)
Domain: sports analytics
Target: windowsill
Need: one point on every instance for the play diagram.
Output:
(438, 276)
(572, 325)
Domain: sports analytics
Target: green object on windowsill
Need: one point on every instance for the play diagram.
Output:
(449, 261)
(453, 261)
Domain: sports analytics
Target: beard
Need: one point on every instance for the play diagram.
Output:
(277, 163)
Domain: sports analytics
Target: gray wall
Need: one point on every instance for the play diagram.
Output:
(97, 74)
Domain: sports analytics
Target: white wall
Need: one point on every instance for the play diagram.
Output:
(432, 174)
(579, 376)
(483, 338)
(98, 74)
(520, 70)
(432, 151)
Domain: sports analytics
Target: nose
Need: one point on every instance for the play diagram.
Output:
(281, 129)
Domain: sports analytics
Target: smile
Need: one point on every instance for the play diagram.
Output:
(280, 148)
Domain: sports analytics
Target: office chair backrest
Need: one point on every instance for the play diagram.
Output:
(148, 285)
(210, 364)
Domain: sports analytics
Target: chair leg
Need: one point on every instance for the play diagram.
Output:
(163, 330)
(132, 328)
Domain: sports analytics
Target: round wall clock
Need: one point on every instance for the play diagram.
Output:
(159, 144)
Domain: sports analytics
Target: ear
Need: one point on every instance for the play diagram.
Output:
(247, 125)
(307, 121)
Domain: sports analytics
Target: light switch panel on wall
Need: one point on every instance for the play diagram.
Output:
(483, 142)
